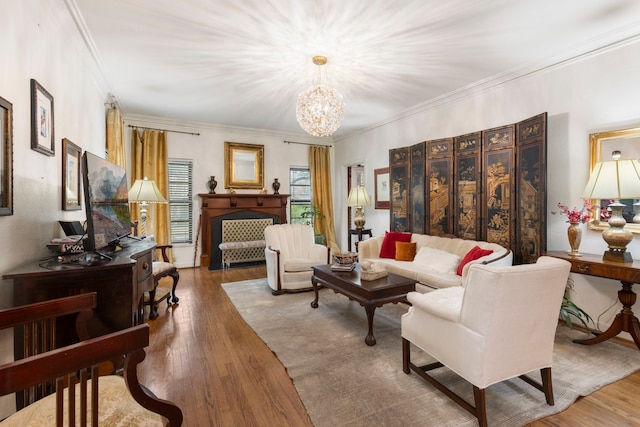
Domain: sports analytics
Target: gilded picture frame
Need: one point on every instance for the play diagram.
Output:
(42, 120)
(244, 166)
(601, 145)
(6, 157)
(70, 176)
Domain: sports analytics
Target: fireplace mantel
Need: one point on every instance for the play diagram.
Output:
(228, 205)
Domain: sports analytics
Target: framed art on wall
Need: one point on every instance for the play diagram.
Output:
(243, 165)
(42, 129)
(6, 157)
(70, 175)
(382, 190)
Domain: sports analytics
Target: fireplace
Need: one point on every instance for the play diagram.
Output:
(218, 207)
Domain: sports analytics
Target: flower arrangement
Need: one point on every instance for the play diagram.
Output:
(576, 215)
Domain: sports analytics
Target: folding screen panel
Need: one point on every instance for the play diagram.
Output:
(440, 186)
(399, 180)
(498, 198)
(417, 185)
(467, 185)
(488, 185)
(531, 236)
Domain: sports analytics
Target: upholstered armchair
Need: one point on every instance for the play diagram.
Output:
(290, 252)
(501, 324)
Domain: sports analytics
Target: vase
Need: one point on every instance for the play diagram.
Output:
(212, 184)
(575, 236)
(275, 186)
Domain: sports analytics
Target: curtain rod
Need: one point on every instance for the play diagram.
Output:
(164, 130)
(306, 143)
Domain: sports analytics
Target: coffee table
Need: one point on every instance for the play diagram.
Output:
(368, 293)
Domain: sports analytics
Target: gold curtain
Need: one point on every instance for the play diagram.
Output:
(150, 159)
(320, 170)
(115, 138)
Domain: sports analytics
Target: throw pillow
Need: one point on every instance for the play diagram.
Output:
(437, 260)
(388, 248)
(475, 253)
(405, 251)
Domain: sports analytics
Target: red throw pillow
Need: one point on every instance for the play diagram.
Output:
(475, 253)
(388, 248)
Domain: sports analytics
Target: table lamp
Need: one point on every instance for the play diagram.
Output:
(144, 191)
(614, 180)
(358, 197)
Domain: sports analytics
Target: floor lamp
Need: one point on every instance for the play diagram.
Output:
(144, 191)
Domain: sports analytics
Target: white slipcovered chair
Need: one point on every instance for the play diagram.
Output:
(290, 252)
(501, 324)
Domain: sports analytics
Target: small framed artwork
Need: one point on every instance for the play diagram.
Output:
(382, 190)
(6, 157)
(70, 175)
(42, 128)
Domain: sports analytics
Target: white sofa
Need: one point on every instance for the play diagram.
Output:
(433, 269)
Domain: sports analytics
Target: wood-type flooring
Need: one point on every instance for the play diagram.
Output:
(205, 358)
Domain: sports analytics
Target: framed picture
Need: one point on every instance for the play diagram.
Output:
(42, 128)
(6, 157)
(243, 165)
(382, 190)
(70, 175)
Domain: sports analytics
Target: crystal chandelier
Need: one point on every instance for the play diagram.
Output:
(320, 108)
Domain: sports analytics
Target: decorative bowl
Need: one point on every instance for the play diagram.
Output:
(345, 258)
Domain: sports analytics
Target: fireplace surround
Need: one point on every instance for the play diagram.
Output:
(218, 207)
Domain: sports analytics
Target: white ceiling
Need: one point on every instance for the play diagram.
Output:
(243, 62)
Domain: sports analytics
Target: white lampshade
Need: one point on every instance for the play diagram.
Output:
(358, 196)
(615, 179)
(145, 191)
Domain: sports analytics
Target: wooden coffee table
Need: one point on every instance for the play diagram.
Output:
(368, 293)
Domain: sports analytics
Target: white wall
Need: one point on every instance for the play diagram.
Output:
(599, 92)
(207, 153)
(40, 41)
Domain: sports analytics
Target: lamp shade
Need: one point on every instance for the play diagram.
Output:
(615, 179)
(358, 196)
(145, 191)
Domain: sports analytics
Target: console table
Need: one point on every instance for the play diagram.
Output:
(627, 273)
(120, 284)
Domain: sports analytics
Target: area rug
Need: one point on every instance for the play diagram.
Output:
(344, 382)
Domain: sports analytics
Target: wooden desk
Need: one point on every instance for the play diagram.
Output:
(627, 273)
(120, 285)
(359, 233)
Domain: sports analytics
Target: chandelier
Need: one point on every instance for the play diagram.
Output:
(320, 108)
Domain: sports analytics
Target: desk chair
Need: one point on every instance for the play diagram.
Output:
(160, 269)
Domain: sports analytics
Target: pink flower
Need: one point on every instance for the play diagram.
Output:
(574, 215)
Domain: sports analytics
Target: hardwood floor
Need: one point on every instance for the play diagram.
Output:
(205, 358)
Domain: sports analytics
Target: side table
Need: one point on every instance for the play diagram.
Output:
(358, 232)
(627, 273)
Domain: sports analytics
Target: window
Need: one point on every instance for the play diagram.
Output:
(300, 198)
(181, 200)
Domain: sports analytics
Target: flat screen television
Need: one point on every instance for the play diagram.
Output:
(106, 202)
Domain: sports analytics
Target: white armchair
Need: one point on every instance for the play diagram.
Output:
(290, 252)
(501, 324)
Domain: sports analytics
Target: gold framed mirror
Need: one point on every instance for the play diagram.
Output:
(601, 145)
(243, 166)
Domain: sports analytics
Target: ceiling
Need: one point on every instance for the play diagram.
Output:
(243, 62)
